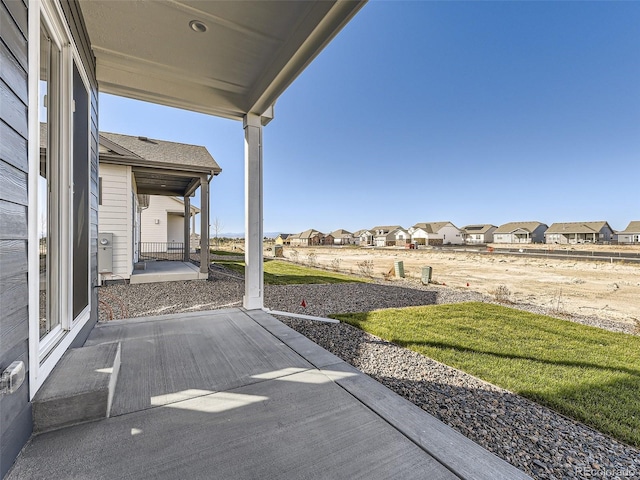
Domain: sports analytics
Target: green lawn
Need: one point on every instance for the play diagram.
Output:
(284, 273)
(227, 253)
(586, 373)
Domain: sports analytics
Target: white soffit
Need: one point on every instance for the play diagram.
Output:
(248, 55)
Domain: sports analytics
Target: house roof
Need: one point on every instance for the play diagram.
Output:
(360, 232)
(340, 233)
(308, 234)
(386, 228)
(633, 227)
(284, 236)
(478, 228)
(513, 226)
(432, 227)
(162, 152)
(578, 227)
(160, 167)
(238, 59)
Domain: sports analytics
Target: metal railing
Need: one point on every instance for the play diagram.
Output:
(161, 251)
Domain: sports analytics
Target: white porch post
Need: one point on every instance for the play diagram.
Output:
(187, 236)
(204, 224)
(253, 273)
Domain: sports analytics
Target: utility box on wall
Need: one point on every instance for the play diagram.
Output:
(105, 252)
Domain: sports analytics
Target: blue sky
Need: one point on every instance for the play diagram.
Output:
(473, 112)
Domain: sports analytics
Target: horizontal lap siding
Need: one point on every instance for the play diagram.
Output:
(150, 231)
(114, 214)
(15, 409)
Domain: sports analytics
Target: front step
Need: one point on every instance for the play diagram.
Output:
(79, 389)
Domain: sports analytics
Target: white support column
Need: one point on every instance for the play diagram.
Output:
(253, 273)
(187, 234)
(204, 224)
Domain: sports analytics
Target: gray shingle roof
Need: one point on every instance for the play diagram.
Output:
(386, 228)
(513, 226)
(432, 227)
(340, 233)
(307, 234)
(478, 228)
(164, 152)
(633, 227)
(151, 150)
(577, 227)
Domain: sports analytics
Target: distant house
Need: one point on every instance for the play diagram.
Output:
(520, 232)
(385, 235)
(364, 238)
(478, 233)
(402, 236)
(327, 239)
(342, 237)
(308, 238)
(436, 233)
(631, 234)
(283, 239)
(162, 222)
(579, 232)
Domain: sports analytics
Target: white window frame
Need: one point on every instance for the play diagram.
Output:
(45, 353)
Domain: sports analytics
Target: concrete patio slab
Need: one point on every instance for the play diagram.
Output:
(211, 351)
(234, 394)
(167, 271)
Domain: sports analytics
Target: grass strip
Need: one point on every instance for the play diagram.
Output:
(586, 373)
(284, 273)
(227, 253)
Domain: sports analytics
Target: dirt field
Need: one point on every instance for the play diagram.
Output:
(601, 289)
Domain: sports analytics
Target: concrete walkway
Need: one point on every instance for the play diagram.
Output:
(237, 394)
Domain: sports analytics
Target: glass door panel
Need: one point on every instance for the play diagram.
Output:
(48, 181)
(80, 237)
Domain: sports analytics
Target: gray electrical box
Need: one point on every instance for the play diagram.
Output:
(426, 275)
(105, 253)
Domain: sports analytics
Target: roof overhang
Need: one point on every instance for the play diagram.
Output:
(249, 54)
(154, 180)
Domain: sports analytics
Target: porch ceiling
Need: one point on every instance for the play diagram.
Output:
(162, 182)
(248, 55)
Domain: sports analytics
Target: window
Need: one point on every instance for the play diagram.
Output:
(63, 186)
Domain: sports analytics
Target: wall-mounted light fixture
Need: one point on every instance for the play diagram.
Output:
(157, 221)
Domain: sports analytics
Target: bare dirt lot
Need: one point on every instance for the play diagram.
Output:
(579, 287)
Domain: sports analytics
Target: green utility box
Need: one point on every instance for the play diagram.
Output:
(426, 275)
(399, 266)
(278, 251)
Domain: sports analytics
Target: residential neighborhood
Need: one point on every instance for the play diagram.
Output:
(445, 233)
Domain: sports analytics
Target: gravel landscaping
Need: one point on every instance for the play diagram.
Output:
(535, 439)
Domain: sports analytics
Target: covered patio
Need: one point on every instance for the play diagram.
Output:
(166, 169)
(234, 394)
(227, 393)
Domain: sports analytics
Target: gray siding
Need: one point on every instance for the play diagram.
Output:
(15, 409)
